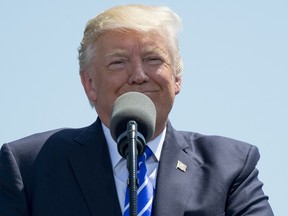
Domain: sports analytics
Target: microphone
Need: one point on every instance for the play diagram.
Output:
(131, 108)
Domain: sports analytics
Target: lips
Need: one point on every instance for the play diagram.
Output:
(149, 91)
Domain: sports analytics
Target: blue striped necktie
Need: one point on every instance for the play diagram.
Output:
(145, 190)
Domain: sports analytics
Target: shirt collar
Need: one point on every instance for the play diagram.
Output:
(155, 145)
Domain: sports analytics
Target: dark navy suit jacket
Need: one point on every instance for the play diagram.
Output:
(68, 172)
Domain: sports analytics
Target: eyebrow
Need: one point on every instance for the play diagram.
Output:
(153, 50)
(146, 50)
(158, 52)
(116, 52)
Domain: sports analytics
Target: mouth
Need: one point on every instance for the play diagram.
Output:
(148, 92)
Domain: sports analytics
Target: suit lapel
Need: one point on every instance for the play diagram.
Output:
(94, 172)
(174, 185)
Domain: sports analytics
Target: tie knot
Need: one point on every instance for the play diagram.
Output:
(147, 153)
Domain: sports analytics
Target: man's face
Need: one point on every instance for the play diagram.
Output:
(130, 61)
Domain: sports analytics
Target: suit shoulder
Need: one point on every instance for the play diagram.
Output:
(215, 141)
(214, 149)
(27, 148)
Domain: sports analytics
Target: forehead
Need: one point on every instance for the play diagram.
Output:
(124, 41)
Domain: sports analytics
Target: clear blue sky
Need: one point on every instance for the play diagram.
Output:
(235, 73)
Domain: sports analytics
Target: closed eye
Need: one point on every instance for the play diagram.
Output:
(117, 64)
(154, 60)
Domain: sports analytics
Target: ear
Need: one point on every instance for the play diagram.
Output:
(89, 86)
(178, 83)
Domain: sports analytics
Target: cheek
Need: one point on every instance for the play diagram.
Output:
(161, 73)
(166, 80)
(112, 82)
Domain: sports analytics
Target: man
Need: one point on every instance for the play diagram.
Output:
(129, 48)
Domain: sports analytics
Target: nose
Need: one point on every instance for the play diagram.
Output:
(138, 75)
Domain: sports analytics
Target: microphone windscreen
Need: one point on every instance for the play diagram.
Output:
(133, 106)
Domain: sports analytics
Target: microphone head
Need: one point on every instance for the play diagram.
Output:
(133, 106)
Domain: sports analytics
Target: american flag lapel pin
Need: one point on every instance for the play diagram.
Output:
(181, 166)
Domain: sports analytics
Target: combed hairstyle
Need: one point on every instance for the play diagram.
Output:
(140, 18)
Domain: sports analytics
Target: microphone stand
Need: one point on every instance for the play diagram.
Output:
(131, 144)
(132, 165)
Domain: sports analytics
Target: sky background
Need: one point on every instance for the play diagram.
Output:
(235, 74)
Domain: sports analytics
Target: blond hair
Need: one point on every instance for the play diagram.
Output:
(140, 18)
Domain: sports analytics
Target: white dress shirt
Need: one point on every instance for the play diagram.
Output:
(119, 164)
